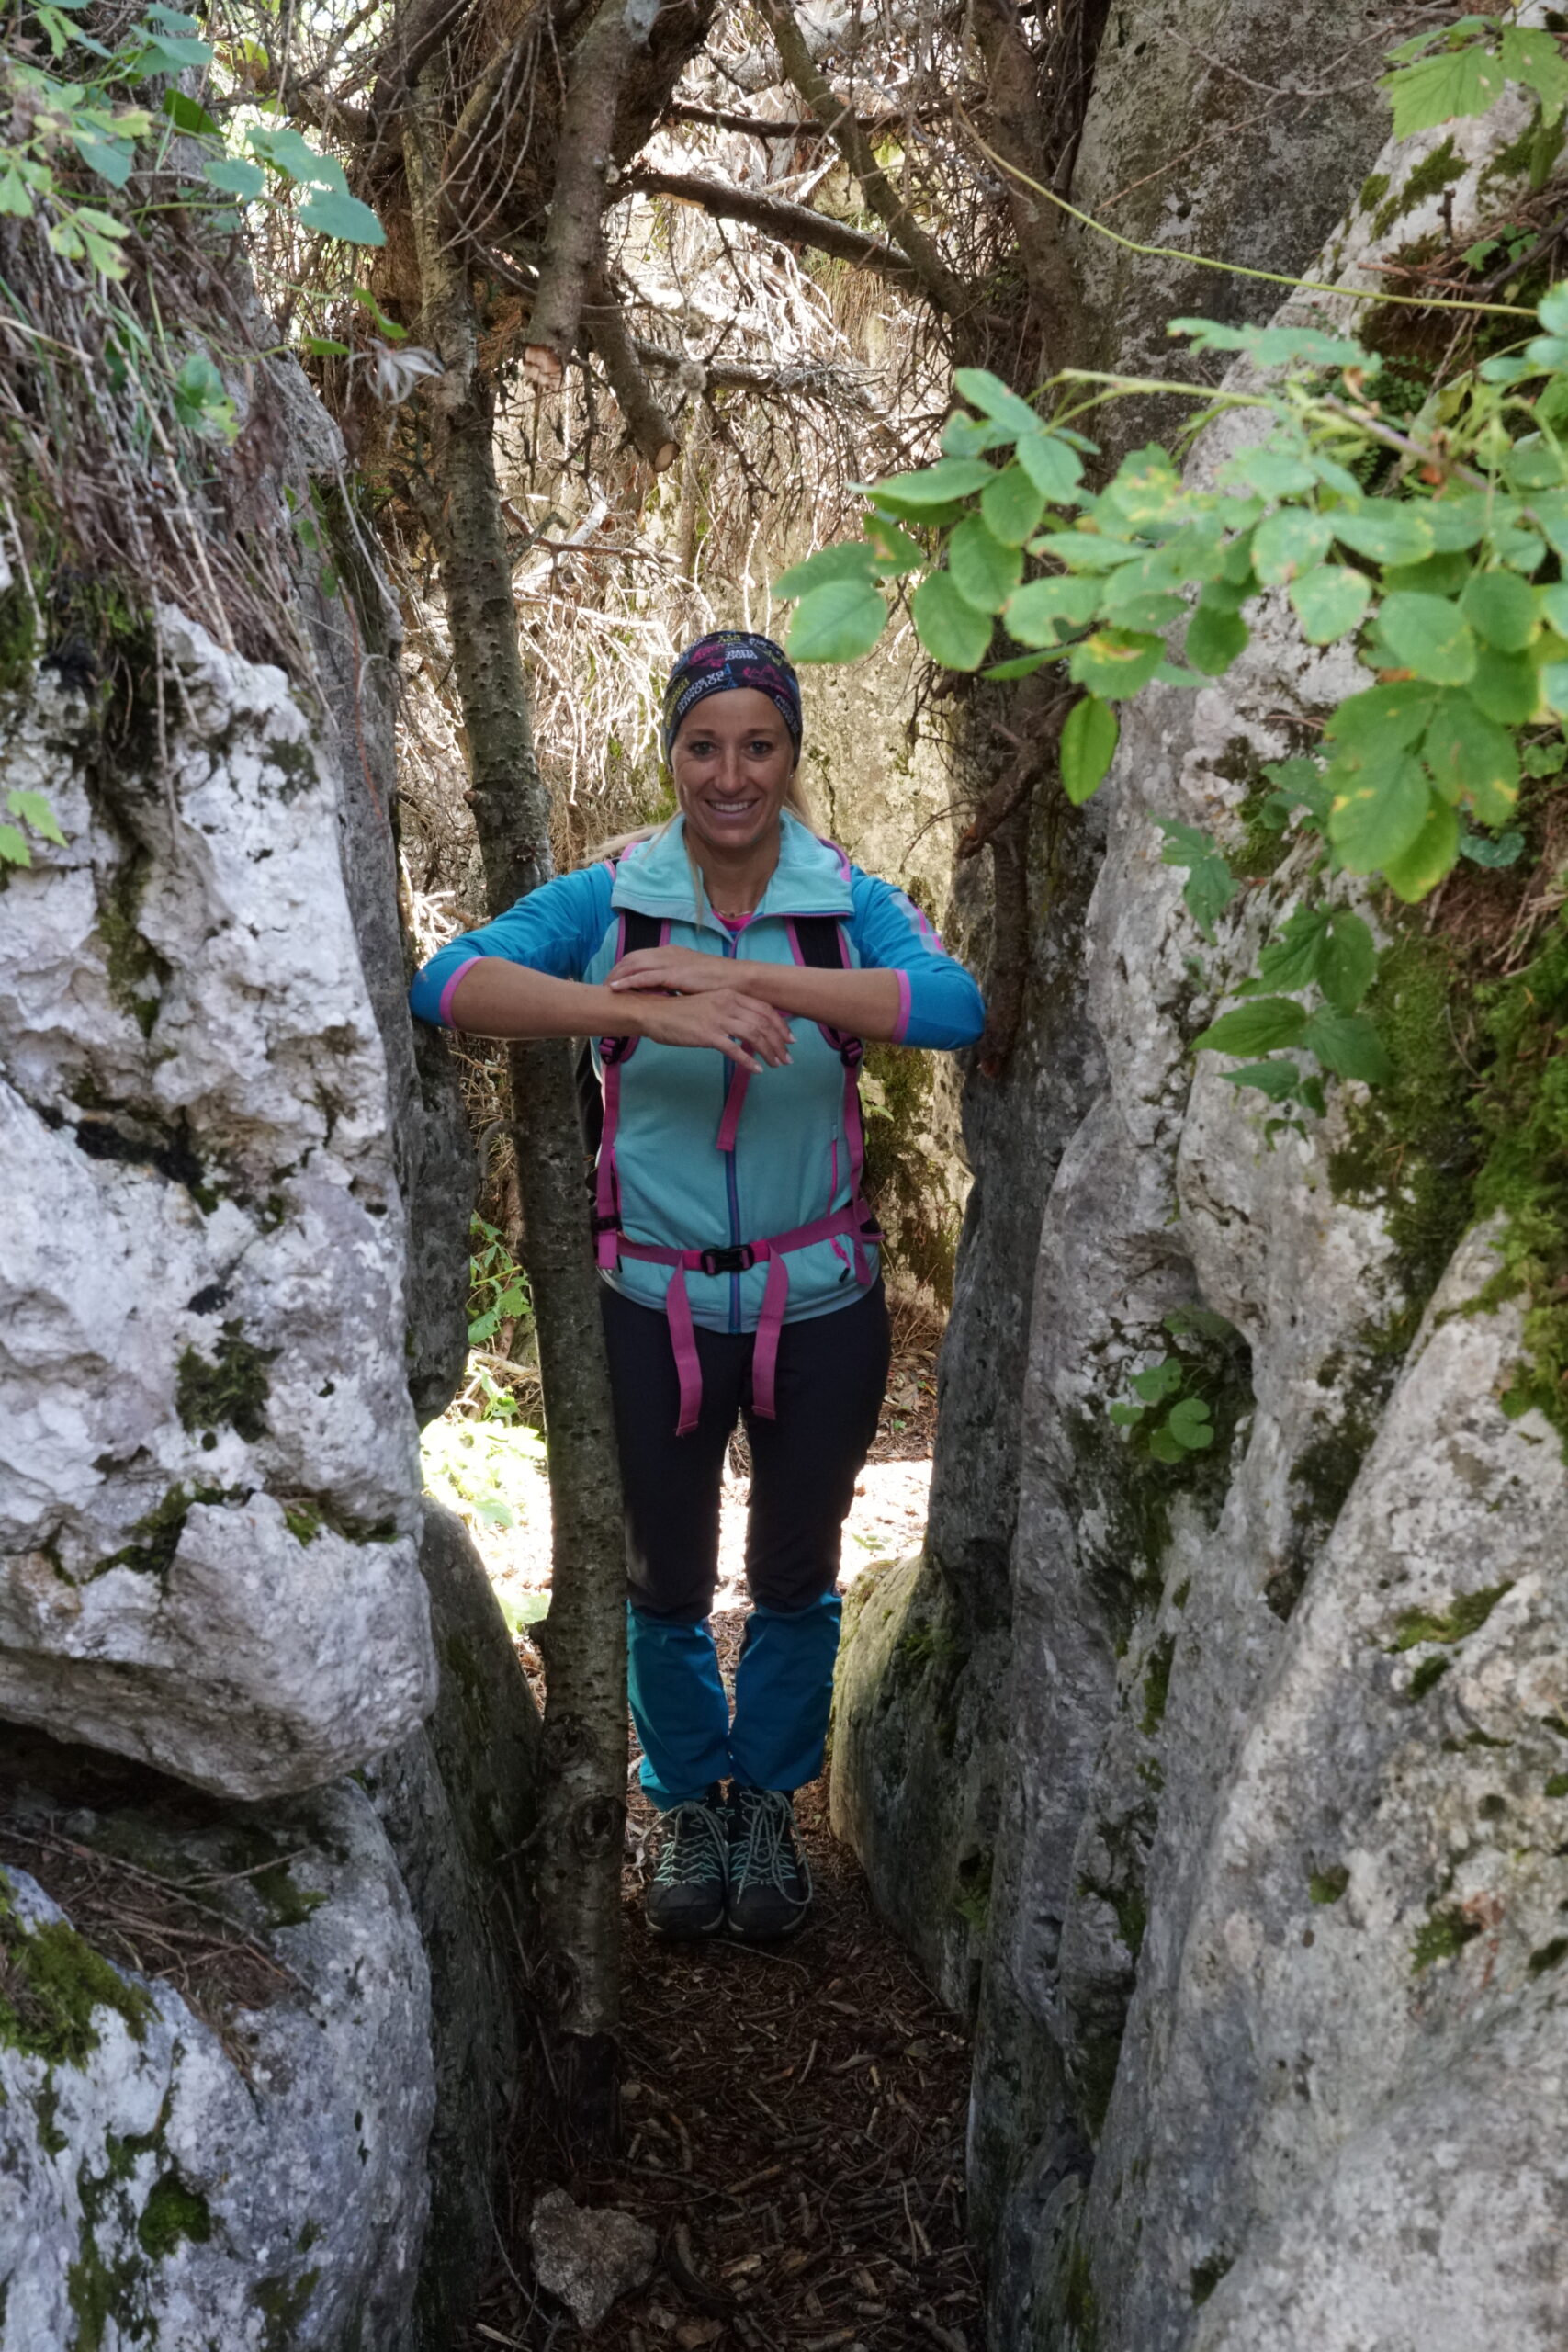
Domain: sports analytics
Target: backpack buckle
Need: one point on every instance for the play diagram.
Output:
(738, 1260)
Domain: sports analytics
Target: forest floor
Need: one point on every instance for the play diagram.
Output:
(794, 2115)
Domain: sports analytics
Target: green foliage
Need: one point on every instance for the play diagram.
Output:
(1327, 1886)
(497, 1287)
(1173, 1415)
(1466, 1616)
(172, 2214)
(1441, 1936)
(1463, 69)
(487, 1470)
(52, 1983)
(35, 813)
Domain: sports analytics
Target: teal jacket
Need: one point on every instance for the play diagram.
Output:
(791, 1163)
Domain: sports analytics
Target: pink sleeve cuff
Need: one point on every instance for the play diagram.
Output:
(902, 1031)
(444, 1009)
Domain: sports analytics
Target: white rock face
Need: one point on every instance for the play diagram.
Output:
(167, 2185)
(207, 1454)
(1274, 2011)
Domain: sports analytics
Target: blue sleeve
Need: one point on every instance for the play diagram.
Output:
(942, 1005)
(556, 929)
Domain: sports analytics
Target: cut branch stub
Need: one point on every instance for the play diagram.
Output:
(594, 74)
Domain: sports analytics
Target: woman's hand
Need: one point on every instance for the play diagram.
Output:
(684, 970)
(751, 1033)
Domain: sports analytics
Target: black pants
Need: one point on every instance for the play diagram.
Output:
(832, 1372)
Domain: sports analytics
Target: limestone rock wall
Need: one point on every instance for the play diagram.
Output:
(1245, 1827)
(263, 1930)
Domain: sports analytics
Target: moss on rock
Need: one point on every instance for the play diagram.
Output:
(52, 1984)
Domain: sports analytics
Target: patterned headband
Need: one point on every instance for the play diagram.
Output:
(721, 664)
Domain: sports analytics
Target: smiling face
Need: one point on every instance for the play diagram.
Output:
(732, 761)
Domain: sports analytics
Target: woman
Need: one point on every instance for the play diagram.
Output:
(728, 964)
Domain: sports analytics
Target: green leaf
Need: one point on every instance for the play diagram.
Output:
(1530, 55)
(968, 436)
(896, 552)
(1038, 612)
(1275, 347)
(1384, 718)
(1348, 1045)
(852, 559)
(1380, 812)
(1385, 531)
(1329, 601)
(1158, 1381)
(290, 153)
(1473, 758)
(1211, 885)
(14, 850)
(1457, 520)
(1187, 1422)
(1347, 962)
(837, 622)
(1255, 1027)
(1012, 506)
(112, 158)
(1299, 784)
(1430, 636)
(236, 177)
(188, 114)
(332, 213)
(323, 346)
(948, 624)
(1290, 542)
(1127, 1417)
(1421, 866)
(936, 485)
(34, 811)
(174, 52)
(1088, 746)
(983, 570)
(1502, 608)
(1507, 687)
(1290, 959)
(1434, 90)
(991, 397)
(1215, 638)
(1482, 850)
(1272, 471)
(1278, 1080)
(1022, 666)
(1054, 469)
(1115, 662)
(1163, 1446)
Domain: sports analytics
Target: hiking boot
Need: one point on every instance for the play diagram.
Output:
(685, 1895)
(770, 1882)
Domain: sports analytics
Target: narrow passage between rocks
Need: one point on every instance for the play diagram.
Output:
(794, 2124)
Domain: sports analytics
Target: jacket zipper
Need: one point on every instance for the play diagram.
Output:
(731, 948)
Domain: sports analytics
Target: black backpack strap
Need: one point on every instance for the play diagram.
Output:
(820, 939)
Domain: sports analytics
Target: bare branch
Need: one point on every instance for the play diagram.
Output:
(936, 280)
(594, 74)
(651, 430)
(776, 216)
(806, 127)
(808, 378)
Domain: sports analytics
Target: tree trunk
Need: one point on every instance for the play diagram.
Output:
(583, 1638)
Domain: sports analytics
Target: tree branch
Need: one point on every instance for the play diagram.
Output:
(652, 434)
(776, 216)
(936, 280)
(1018, 129)
(717, 118)
(809, 379)
(594, 75)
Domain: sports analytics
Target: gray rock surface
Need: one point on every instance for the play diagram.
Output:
(247, 2176)
(1271, 2008)
(208, 1464)
(589, 2254)
(458, 1803)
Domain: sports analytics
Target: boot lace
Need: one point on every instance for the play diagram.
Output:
(768, 1852)
(695, 1850)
